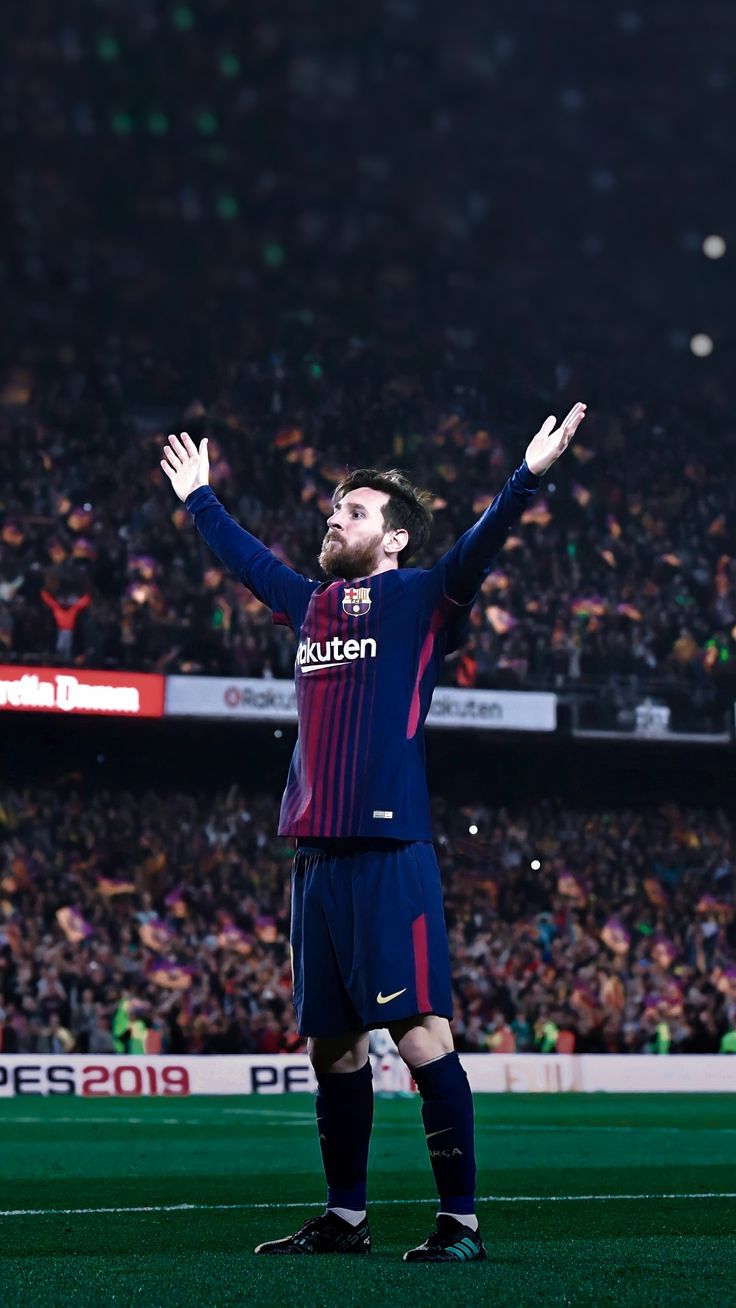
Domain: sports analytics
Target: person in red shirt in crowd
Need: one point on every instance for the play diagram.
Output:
(65, 617)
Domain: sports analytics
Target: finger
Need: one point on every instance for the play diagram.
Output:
(572, 424)
(566, 434)
(180, 449)
(188, 443)
(168, 470)
(172, 457)
(576, 408)
(576, 414)
(547, 426)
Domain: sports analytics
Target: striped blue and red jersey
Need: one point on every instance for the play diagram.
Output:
(368, 658)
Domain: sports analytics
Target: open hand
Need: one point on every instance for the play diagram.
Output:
(550, 441)
(186, 466)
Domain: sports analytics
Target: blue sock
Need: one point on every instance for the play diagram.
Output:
(447, 1113)
(344, 1121)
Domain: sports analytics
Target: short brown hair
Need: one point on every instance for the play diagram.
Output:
(407, 508)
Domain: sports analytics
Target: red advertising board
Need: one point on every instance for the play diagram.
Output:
(78, 690)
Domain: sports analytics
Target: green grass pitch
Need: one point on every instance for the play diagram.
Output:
(587, 1199)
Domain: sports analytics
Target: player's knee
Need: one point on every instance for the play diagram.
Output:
(427, 1038)
(346, 1054)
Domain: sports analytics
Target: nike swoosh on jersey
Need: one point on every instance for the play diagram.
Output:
(386, 999)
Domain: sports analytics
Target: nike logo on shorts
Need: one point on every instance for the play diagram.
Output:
(386, 999)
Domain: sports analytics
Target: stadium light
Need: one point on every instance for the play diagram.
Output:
(272, 254)
(714, 247)
(206, 122)
(227, 206)
(701, 345)
(473, 830)
(108, 48)
(183, 19)
(535, 865)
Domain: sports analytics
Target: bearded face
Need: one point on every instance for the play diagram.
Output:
(355, 543)
(339, 559)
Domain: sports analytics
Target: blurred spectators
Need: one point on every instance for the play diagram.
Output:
(397, 240)
(160, 923)
(142, 591)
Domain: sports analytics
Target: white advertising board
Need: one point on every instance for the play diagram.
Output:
(591, 1073)
(253, 699)
(105, 1076)
(500, 710)
(240, 699)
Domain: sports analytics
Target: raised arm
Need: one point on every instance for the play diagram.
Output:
(285, 591)
(469, 560)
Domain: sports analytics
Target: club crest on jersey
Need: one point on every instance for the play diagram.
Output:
(356, 600)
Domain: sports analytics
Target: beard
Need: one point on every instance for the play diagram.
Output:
(339, 560)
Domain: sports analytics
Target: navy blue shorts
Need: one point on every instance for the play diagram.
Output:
(368, 935)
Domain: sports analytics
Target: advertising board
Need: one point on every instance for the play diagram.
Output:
(254, 699)
(78, 690)
(110, 1076)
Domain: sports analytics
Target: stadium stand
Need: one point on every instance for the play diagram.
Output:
(277, 305)
(160, 922)
(321, 287)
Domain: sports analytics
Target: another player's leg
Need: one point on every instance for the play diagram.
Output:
(425, 1043)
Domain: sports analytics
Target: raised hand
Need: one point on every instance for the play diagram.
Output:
(186, 466)
(550, 441)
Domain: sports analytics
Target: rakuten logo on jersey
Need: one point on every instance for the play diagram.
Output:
(335, 653)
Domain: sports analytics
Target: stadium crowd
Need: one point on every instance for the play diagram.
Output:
(160, 923)
(278, 305)
(599, 583)
(353, 242)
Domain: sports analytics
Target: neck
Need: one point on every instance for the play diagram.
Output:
(386, 565)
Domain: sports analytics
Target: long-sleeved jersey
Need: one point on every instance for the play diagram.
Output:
(367, 663)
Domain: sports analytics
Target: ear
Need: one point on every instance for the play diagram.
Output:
(398, 539)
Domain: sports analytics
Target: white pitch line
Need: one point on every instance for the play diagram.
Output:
(142, 1121)
(300, 1118)
(276, 1113)
(521, 1129)
(307, 1119)
(380, 1203)
(596, 1130)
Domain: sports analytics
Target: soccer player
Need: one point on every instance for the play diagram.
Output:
(368, 934)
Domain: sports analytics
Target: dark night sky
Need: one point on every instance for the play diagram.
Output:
(530, 179)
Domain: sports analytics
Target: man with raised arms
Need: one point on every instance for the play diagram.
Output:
(368, 933)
